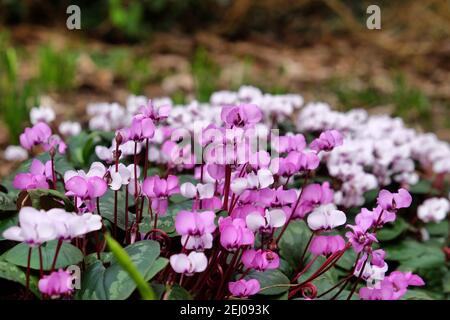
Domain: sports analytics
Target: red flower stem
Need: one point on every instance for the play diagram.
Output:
(299, 274)
(304, 253)
(52, 159)
(41, 269)
(292, 212)
(55, 257)
(359, 278)
(126, 214)
(335, 286)
(228, 273)
(136, 204)
(226, 191)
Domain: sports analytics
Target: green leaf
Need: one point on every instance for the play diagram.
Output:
(347, 260)
(179, 293)
(440, 229)
(421, 187)
(417, 294)
(6, 222)
(414, 255)
(47, 199)
(107, 208)
(393, 230)
(68, 255)
(166, 223)
(405, 250)
(11, 272)
(293, 242)
(127, 267)
(446, 282)
(92, 283)
(272, 282)
(7, 202)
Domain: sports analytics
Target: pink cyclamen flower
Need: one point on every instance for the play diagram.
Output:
(197, 243)
(56, 284)
(377, 216)
(189, 264)
(158, 190)
(313, 195)
(244, 115)
(234, 233)
(35, 227)
(36, 135)
(326, 217)
(260, 260)
(140, 129)
(359, 237)
(291, 142)
(393, 201)
(86, 188)
(392, 287)
(244, 288)
(326, 245)
(36, 178)
(153, 112)
(327, 141)
(195, 223)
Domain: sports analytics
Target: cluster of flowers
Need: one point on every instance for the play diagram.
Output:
(243, 200)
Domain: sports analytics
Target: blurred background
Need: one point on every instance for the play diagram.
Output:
(191, 48)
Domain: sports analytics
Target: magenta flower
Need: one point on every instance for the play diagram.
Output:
(36, 135)
(393, 201)
(378, 257)
(158, 190)
(313, 195)
(392, 287)
(359, 237)
(301, 161)
(197, 243)
(140, 129)
(327, 141)
(154, 113)
(326, 245)
(57, 284)
(244, 115)
(244, 288)
(36, 178)
(234, 233)
(195, 223)
(189, 264)
(86, 188)
(260, 260)
(291, 142)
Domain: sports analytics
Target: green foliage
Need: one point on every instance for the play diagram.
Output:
(130, 268)
(205, 72)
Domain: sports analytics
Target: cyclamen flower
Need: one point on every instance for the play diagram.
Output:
(123, 176)
(291, 142)
(393, 201)
(197, 243)
(202, 191)
(244, 288)
(327, 141)
(433, 210)
(140, 129)
(155, 113)
(195, 223)
(86, 188)
(377, 217)
(392, 287)
(266, 222)
(15, 153)
(36, 178)
(189, 264)
(158, 190)
(234, 233)
(326, 217)
(312, 196)
(262, 179)
(244, 115)
(36, 135)
(260, 260)
(35, 227)
(56, 284)
(69, 128)
(359, 237)
(326, 245)
(42, 114)
(71, 225)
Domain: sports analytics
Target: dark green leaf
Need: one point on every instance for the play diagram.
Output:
(293, 242)
(11, 272)
(68, 255)
(393, 230)
(272, 282)
(179, 293)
